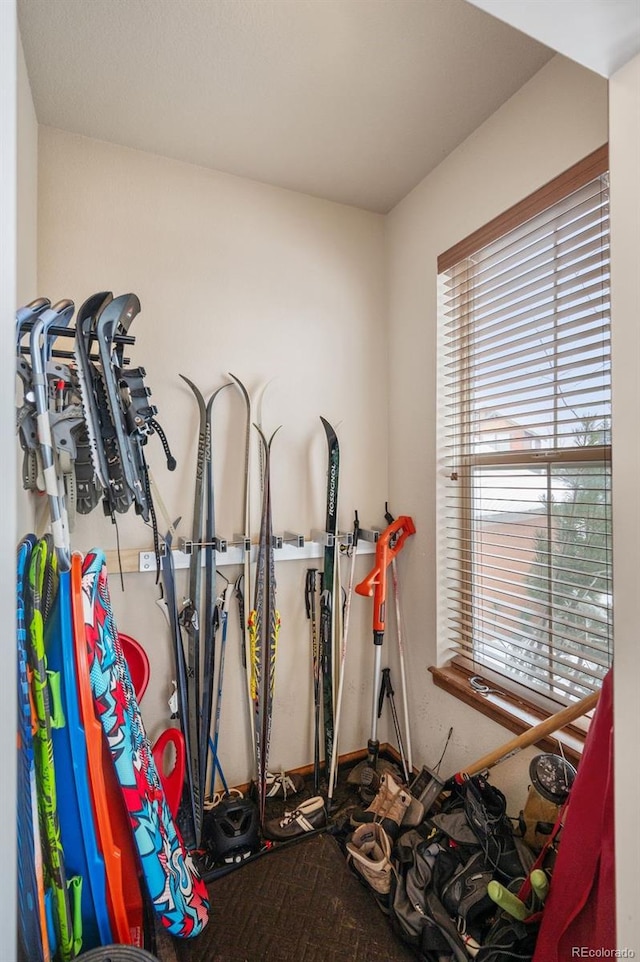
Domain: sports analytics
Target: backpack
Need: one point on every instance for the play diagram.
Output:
(439, 902)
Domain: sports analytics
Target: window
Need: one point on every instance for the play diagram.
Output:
(525, 392)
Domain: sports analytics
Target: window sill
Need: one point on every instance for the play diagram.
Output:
(511, 712)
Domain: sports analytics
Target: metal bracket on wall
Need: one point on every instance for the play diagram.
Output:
(289, 548)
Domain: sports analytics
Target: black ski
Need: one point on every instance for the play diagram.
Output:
(327, 600)
(209, 597)
(190, 616)
(200, 705)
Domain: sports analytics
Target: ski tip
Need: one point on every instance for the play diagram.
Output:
(216, 393)
(329, 429)
(239, 384)
(196, 390)
(263, 437)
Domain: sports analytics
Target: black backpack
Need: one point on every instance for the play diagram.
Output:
(439, 901)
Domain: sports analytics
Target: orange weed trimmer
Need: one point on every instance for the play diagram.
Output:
(390, 543)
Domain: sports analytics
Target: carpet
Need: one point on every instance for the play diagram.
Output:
(296, 904)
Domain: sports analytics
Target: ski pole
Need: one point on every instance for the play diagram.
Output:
(386, 688)
(403, 677)
(217, 767)
(310, 605)
(343, 653)
(389, 544)
(223, 607)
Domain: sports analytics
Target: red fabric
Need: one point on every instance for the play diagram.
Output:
(580, 908)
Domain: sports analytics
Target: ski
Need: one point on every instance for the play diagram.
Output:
(327, 597)
(245, 591)
(190, 614)
(209, 599)
(264, 626)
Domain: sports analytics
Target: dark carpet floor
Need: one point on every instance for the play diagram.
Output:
(299, 903)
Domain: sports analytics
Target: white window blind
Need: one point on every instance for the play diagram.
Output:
(526, 412)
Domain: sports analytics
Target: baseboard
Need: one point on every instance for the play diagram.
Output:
(386, 750)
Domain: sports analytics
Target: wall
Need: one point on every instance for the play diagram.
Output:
(27, 233)
(552, 122)
(624, 89)
(27, 186)
(234, 276)
(8, 272)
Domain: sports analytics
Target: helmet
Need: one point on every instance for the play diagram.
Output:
(230, 829)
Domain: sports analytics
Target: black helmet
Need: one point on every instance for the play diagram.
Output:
(230, 829)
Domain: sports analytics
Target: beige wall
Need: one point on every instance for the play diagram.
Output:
(26, 234)
(552, 122)
(625, 250)
(27, 186)
(234, 276)
(8, 292)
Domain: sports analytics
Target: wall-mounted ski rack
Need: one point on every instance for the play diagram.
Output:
(70, 333)
(69, 356)
(288, 547)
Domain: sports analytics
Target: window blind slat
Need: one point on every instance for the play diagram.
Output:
(587, 251)
(540, 283)
(470, 631)
(533, 325)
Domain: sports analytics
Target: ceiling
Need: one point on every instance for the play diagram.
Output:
(351, 100)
